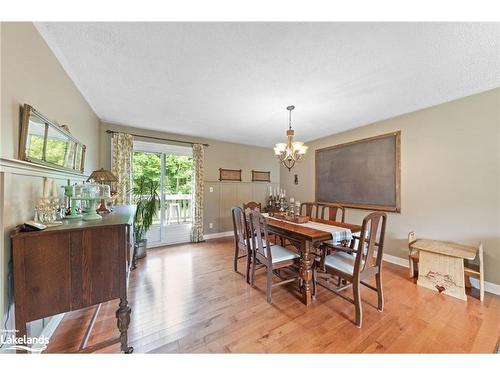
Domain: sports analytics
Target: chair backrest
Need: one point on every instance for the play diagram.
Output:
(333, 212)
(372, 236)
(260, 239)
(239, 226)
(311, 209)
(252, 206)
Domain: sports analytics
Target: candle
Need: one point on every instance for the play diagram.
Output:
(284, 192)
(45, 187)
(54, 189)
(292, 200)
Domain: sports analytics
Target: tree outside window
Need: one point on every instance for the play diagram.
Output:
(178, 171)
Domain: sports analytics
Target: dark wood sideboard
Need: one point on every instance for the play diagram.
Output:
(72, 266)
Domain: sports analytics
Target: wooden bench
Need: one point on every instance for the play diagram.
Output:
(443, 268)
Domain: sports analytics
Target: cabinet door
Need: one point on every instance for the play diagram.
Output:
(98, 265)
(42, 275)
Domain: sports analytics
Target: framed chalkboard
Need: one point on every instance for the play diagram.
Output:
(363, 174)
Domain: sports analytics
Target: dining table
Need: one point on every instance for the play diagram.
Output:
(304, 237)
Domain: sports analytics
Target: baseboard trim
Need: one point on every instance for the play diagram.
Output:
(396, 260)
(488, 287)
(218, 235)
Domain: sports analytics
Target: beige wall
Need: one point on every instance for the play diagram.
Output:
(450, 175)
(217, 155)
(30, 73)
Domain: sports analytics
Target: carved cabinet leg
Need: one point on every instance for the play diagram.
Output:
(123, 316)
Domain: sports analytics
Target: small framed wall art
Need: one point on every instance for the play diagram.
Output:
(261, 176)
(229, 174)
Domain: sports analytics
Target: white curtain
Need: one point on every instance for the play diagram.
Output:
(198, 185)
(121, 166)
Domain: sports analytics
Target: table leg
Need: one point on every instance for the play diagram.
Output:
(123, 316)
(306, 273)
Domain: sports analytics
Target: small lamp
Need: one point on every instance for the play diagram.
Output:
(102, 176)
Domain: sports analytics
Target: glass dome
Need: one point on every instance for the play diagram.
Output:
(91, 190)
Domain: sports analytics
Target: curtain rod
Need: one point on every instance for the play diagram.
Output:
(157, 138)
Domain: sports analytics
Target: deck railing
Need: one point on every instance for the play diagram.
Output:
(178, 208)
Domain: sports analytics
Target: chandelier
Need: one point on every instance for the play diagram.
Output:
(290, 152)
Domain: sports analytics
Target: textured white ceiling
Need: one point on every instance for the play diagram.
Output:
(233, 81)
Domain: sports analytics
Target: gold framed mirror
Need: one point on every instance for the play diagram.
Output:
(45, 142)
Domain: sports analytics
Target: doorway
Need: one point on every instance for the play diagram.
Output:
(171, 166)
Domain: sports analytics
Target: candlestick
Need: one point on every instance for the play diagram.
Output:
(297, 207)
(45, 187)
(54, 189)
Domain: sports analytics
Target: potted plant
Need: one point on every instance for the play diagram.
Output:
(147, 200)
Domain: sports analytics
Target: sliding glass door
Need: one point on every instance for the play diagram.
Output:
(172, 167)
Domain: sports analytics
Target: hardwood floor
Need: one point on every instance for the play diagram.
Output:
(187, 298)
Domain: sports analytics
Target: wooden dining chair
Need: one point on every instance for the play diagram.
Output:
(355, 268)
(310, 209)
(272, 257)
(332, 212)
(241, 240)
(252, 206)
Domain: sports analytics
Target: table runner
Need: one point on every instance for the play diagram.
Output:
(338, 233)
